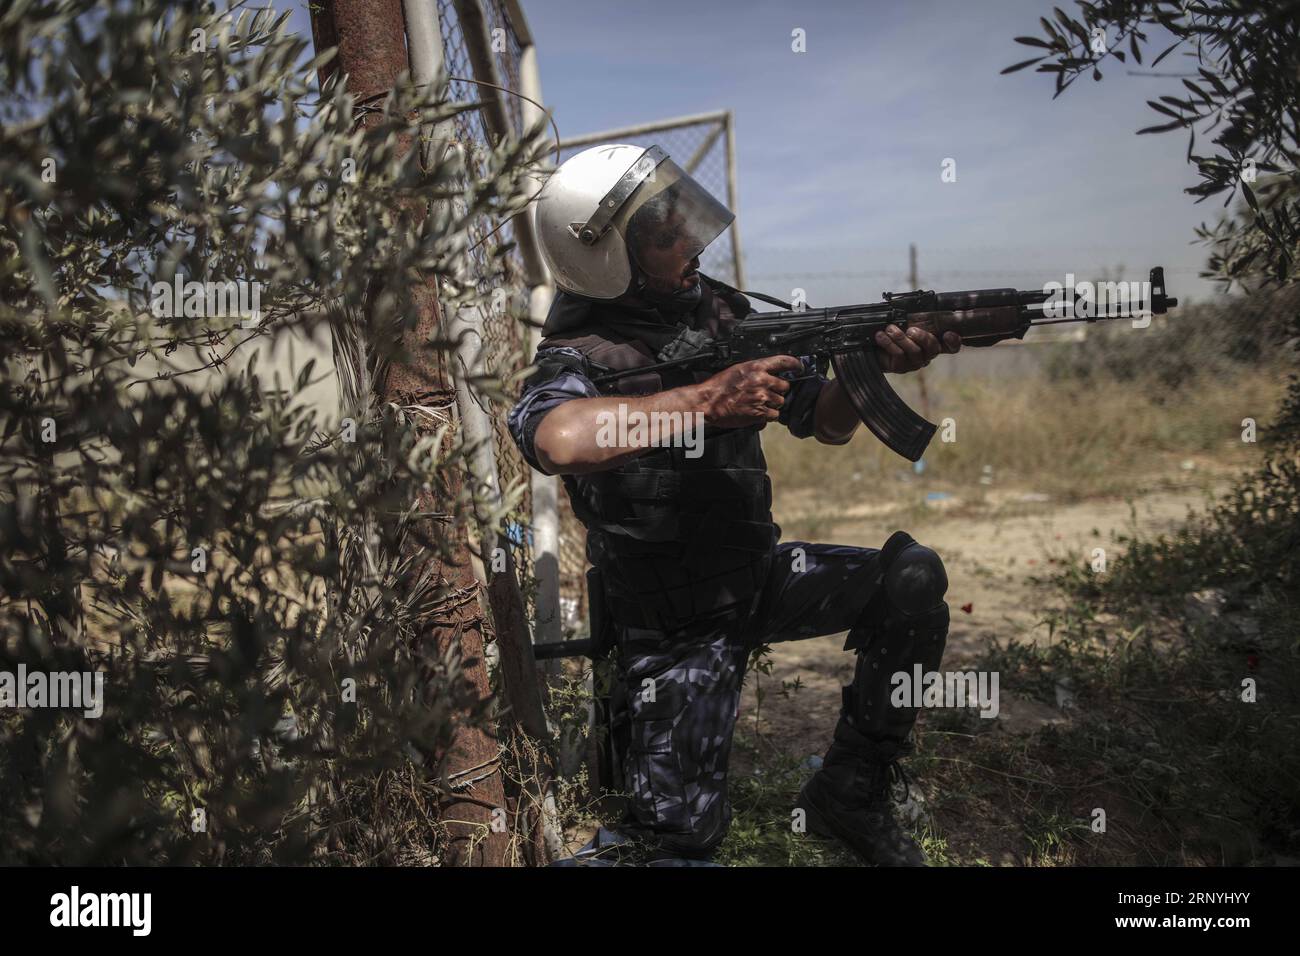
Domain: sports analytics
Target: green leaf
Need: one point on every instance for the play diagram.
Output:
(1198, 91)
(1250, 195)
(304, 375)
(1162, 129)
(1020, 66)
(1168, 50)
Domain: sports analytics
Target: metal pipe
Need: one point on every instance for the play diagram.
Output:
(732, 201)
(546, 522)
(520, 22)
(478, 44)
(544, 488)
(703, 150)
(642, 129)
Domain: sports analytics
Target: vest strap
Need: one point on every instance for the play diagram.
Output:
(704, 485)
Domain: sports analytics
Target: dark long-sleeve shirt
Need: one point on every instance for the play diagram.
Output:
(568, 383)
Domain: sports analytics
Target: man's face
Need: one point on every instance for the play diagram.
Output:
(668, 257)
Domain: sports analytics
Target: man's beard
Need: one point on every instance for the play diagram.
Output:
(677, 302)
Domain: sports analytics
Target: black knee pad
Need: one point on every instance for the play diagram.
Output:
(916, 581)
(912, 585)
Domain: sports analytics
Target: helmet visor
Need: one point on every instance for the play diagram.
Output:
(669, 221)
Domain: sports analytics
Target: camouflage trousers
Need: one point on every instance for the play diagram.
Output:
(677, 705)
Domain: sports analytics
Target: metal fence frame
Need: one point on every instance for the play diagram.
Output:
(718, 127)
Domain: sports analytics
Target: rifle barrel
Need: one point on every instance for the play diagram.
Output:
(769, 332)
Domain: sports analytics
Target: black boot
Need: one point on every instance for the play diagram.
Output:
(850, 799)
(905, 625)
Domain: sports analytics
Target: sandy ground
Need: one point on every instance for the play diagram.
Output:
(991, 553)
(992, 549)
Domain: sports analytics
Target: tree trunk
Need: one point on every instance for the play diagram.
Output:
(370, 35)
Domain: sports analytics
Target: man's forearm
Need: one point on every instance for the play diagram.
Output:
(834, 417)
(569, 438)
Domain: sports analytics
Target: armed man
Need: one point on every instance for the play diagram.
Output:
(688, 574)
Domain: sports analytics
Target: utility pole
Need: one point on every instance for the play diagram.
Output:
(913, 284)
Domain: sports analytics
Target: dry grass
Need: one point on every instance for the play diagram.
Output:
(1068, 439)
(1186, 773)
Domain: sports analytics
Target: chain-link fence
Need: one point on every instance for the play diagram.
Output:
(505, 335)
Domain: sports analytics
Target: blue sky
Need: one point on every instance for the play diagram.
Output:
(840, 148)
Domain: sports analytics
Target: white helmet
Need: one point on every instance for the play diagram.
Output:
(597, 199)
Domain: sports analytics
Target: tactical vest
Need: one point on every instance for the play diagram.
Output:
(680, 542)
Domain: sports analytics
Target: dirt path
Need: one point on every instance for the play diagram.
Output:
(990, 554)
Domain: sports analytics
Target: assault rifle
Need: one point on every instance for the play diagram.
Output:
(844, 337)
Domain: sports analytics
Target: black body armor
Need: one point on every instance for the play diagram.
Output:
(679, 541)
